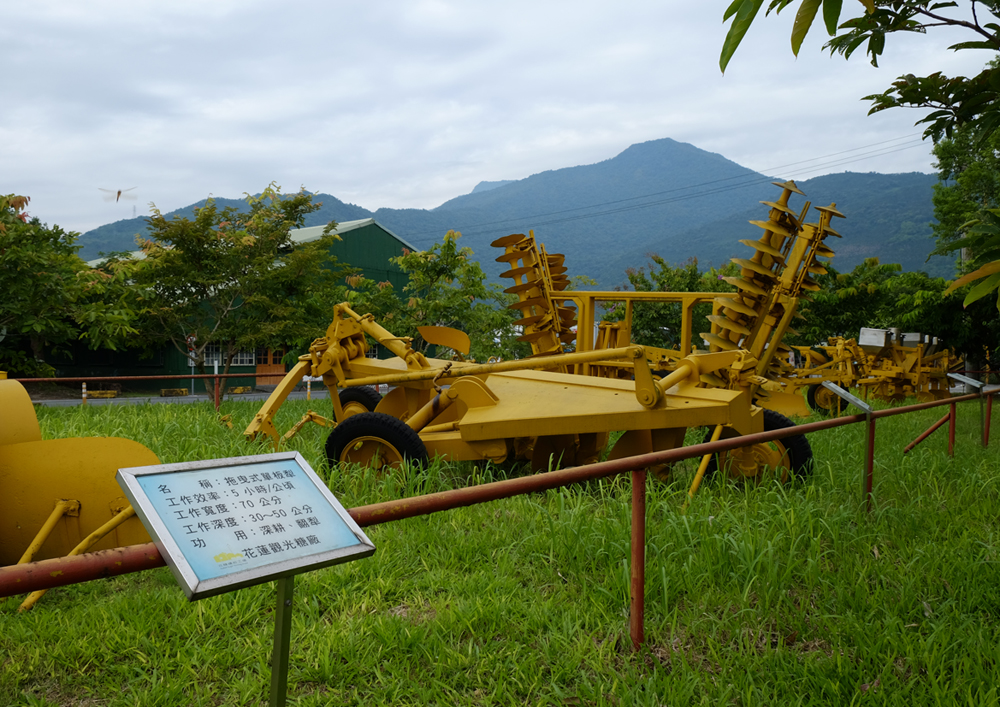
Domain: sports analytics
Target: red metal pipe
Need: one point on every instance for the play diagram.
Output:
(951, 430)
(889, 412)
(986, 426)
(637, 610)
(13, 578)
(870, 465)
(80, 379)
(60, 571)
(927, 434)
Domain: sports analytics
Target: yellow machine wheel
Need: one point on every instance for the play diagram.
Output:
(375, 440)
(780, 457)
(822, 400)
(359, 399)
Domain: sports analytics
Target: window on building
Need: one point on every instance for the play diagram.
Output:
(213, 354)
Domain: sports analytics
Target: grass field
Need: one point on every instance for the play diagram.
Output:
(757, 595)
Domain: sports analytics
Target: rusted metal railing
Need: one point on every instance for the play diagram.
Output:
(46, 574)
(217, 391)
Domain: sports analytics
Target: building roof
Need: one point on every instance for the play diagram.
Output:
(302, 235)
(312, 233)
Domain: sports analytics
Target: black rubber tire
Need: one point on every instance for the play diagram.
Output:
(800, 454)
(811, 392)
(363, 395)
(378, 425)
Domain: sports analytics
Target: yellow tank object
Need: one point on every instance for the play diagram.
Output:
(55, 493)
(18, 422)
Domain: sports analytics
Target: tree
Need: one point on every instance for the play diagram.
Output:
(952, 101)
(965, 204)
(659, 324)
(446, 288)
(845, 303)
(983, 241)
(234, 280)
(969, 170)
(955, 103)
(50, 297)
(881, 295)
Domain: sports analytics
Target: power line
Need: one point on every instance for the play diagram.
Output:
(747, 180)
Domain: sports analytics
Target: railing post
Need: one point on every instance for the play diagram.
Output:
(638, 564)
(986, 424)
(951, 429)
(84, 393)
(216, 371)
(870, 462)
(869, 475)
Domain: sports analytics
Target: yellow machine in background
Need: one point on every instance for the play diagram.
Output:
(754, 319)
(905, 364)
(841, 362)
(884, 364)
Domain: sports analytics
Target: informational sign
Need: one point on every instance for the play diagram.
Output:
(229, 523)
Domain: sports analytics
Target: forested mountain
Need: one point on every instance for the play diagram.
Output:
(661, 196)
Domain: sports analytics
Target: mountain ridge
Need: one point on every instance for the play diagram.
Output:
(660, 196)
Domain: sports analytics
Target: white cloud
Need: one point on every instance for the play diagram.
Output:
(407, 104)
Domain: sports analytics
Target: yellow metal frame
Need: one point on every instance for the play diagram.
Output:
(476, 411)
(59, 496)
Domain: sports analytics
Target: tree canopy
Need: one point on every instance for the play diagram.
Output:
(51, 298)
(659, 324)
(952, 101)
(234, 280)
(446, 288)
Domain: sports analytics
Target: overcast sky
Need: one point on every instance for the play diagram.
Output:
(408, 104)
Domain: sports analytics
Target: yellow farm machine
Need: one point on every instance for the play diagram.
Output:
(885, 364)
(59, 496)
(585, 379)
(754, 319)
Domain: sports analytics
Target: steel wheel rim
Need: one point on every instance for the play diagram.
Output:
(354, 408)
(752, 462)
(825, 399)
(373, 452)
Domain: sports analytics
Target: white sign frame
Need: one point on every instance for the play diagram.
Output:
(351, 544)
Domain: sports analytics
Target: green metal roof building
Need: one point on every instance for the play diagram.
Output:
(365, 244)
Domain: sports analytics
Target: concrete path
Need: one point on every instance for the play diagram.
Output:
(321, 395)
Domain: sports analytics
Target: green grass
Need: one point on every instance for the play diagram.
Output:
(756, 595)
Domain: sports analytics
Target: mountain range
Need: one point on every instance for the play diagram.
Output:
(662, 196)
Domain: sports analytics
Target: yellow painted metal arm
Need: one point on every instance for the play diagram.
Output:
(263, 421)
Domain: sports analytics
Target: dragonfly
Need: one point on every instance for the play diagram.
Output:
(110, 194)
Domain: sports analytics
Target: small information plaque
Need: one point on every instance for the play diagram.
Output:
(229, 523)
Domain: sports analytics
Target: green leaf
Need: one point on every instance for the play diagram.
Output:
(974, 45)
(988, 269)
(731, 10)
(741, 23)
(803, 21)
(982, 289)
(831, 15)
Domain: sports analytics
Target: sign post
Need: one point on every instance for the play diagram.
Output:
(224, 524)
(870, 443)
